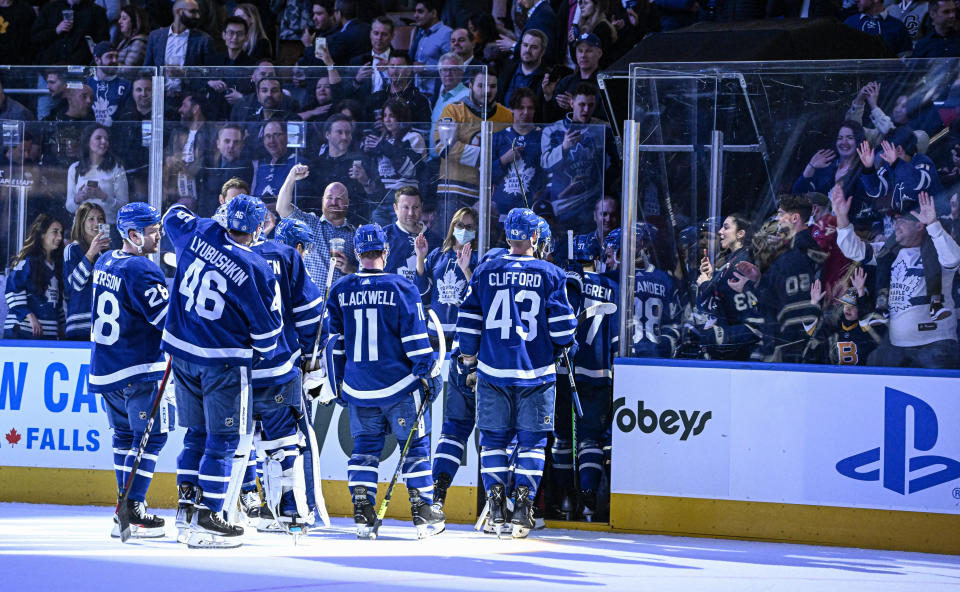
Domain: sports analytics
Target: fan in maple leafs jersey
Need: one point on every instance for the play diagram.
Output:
(511, 179)
(402, 234)
(442, 274)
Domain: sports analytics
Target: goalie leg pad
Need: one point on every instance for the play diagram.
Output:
(311, 470)
(239, 467)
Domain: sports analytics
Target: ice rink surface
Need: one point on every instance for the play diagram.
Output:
(66, 548)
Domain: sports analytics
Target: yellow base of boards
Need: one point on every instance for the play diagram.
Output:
(91, 487)
(786, 523)
(760, 521)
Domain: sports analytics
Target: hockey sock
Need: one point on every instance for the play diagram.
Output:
(215, 466)
(493, 458)
(122, 443)
(562, 456)
(362, 470)
(530, 460)
(449, 453)
(416, 468)
(148, 462)
(188, 461)
(590, 462)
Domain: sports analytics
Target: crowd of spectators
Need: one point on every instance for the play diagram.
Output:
(374, 102)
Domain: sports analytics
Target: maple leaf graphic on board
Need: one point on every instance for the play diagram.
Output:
(13, 437)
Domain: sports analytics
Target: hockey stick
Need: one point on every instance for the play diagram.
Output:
(516, 171)
(123, 513)
(442, 343)
(323, 313)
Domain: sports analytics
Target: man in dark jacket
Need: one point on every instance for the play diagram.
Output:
(59, 32)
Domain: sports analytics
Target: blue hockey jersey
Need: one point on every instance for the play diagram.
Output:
(77, 291)
(904, 181)
(736, 312)
(494, 253)
(225, 301)
(598, 336)
(302, 306)
(402, 259)
(129, 295)
(532, 177)
(446, 285)
(784, 300)
(22, 299)
(515, 316)
(379, 337)
(656, 313)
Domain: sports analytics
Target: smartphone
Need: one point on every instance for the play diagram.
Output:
(68, 15)
(318, 43)
(105, 229)
(295, 135)
(93, 184)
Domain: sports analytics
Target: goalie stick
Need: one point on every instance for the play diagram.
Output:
(442, 346)
(323, 314)
(123, 512)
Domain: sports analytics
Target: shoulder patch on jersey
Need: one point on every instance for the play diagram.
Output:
(516, 265)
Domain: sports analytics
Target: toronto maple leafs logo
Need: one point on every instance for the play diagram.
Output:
(103, 111)
(409, 268)
(512, 182)
(450, 288)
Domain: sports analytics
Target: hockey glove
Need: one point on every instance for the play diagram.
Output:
(462, 375)
(572, 350)
(431, 386)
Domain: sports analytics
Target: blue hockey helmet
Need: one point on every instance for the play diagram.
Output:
(520, 224)
(688, 236)
(645, 234)
(245, 213)
(586, 247)
(293, 232)
(545, 240)
(137, 216)
(370, 237)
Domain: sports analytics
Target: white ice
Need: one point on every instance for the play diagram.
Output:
(67, 548)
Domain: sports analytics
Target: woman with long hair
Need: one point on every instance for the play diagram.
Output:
(735, 313)
(447, 270)
(840, 164)
(97, 177)
(79, 257)
(257, 45)
(33, 293)
(399, 150)
(594, 19)
(133, 30)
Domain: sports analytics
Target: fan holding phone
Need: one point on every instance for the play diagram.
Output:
(97, 177)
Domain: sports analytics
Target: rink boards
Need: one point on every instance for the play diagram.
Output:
(802, 454)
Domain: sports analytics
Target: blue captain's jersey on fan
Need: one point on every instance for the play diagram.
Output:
(301, 303)
(656, 313)
(597, 336)
(446, 284)
(514, 317)
(129, 295)
(225, 302)
(378, 333)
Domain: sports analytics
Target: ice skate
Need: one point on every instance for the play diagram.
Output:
(185, 510)
(568, 504)
(250, 504)
(588, 504)
(211, 531)
(522, 519)
(428, 519)
(440, 487)
(363, 514)
(497, 500)
(142, 524)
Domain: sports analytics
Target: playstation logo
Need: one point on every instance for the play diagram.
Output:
(892, 458)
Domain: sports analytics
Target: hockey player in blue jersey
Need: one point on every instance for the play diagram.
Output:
(593, 371)
(129, 298)
(79, 258)
(278, 406)
(225, 305)
(296, 234)
(445, 274)
(515, 320)
(382, 358)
